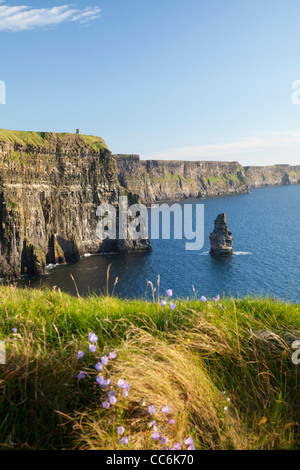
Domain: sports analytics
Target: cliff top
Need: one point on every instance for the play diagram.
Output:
(45, 139)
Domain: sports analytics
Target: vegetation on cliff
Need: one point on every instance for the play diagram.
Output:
(220, 374)
(45, 139)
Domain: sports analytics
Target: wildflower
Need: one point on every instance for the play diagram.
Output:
(151, 409)
(163, 303)
(105, 405)
(107, 382)
(93, 348)
(121, 383)
(166, 410)
(100, 380)
(152, 423)
(189, 441)
(125, 393)
(93, 338)
(121, 430)
(81, 375)
(173, 306)
(104, 360)
(177, 446)
(220, 305)
(155, 436)
(111, 393)
(98, 367)
(169, 292)
(224, 308)
(125, 440)
(112, 400)
(126, 386)
(80, 354)
(112, 355)
(225, 408)
(203, 299)
(171, 421)
(163, 440)
(14, 330)
(192, 447)
(215, 299)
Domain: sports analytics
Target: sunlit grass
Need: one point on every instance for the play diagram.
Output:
(184, 358)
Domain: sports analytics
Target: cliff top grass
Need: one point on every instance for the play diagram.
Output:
(225, 372)
(40, 139)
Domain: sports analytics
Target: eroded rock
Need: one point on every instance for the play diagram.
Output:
(221, 240)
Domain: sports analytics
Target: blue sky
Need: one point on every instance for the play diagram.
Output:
(175, 79)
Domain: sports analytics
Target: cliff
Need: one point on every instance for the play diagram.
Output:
(50, 187)
(155, 180)
(276, 175)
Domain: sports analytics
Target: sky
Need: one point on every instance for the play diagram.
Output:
(165, 79)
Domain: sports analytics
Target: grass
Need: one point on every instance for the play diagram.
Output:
(40, 139)
(183, 358)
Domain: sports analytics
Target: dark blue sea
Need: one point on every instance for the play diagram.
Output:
(266, 229)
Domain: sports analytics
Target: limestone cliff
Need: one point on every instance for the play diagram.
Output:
(276, 175)
(50, 187)
(156, 180)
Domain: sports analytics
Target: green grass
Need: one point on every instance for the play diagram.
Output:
(41, 139)
(184, 358)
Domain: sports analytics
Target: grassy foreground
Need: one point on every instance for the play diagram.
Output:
(185, 359)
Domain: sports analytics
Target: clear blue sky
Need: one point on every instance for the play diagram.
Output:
(188, 79)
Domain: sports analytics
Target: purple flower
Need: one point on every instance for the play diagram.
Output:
(163, 440)
(121, 430)
(151, 409)
(107, 382)
(126, 386)
(93, 348)
(189, 441)
(152, 423)
(100, 380)
(93, 338)
(81, 375)
(169, 292)
(171, 421)
(173, 306)
(14, 330)
(105, 405)
(177, 446)
(112, 355)
(112, 400)
(98, 367)
(220, 305)
(192, 447)
(224, 308)
(121, 383)
(125, 440)
(166, 410)
(125, 393)
(80, 354)
(112, 393)
(215, 299)
(155, 436)
(163, 303)
(104, 360)
(203, 299)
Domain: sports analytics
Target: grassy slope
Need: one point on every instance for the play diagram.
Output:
(184, 358)
(41, 139)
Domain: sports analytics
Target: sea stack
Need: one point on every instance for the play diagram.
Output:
(221, 240)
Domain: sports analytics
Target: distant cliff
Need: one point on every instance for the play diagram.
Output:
(276, 175)
(156, 180)
(50, 187)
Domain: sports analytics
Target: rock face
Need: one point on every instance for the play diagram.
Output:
(50, 187)
(276, 175)
(221, 241)
(155, 180)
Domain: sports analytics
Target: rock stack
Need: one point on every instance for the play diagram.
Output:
(221, 240)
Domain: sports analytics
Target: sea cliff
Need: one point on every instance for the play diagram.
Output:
(155, 180)
(50, 187)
